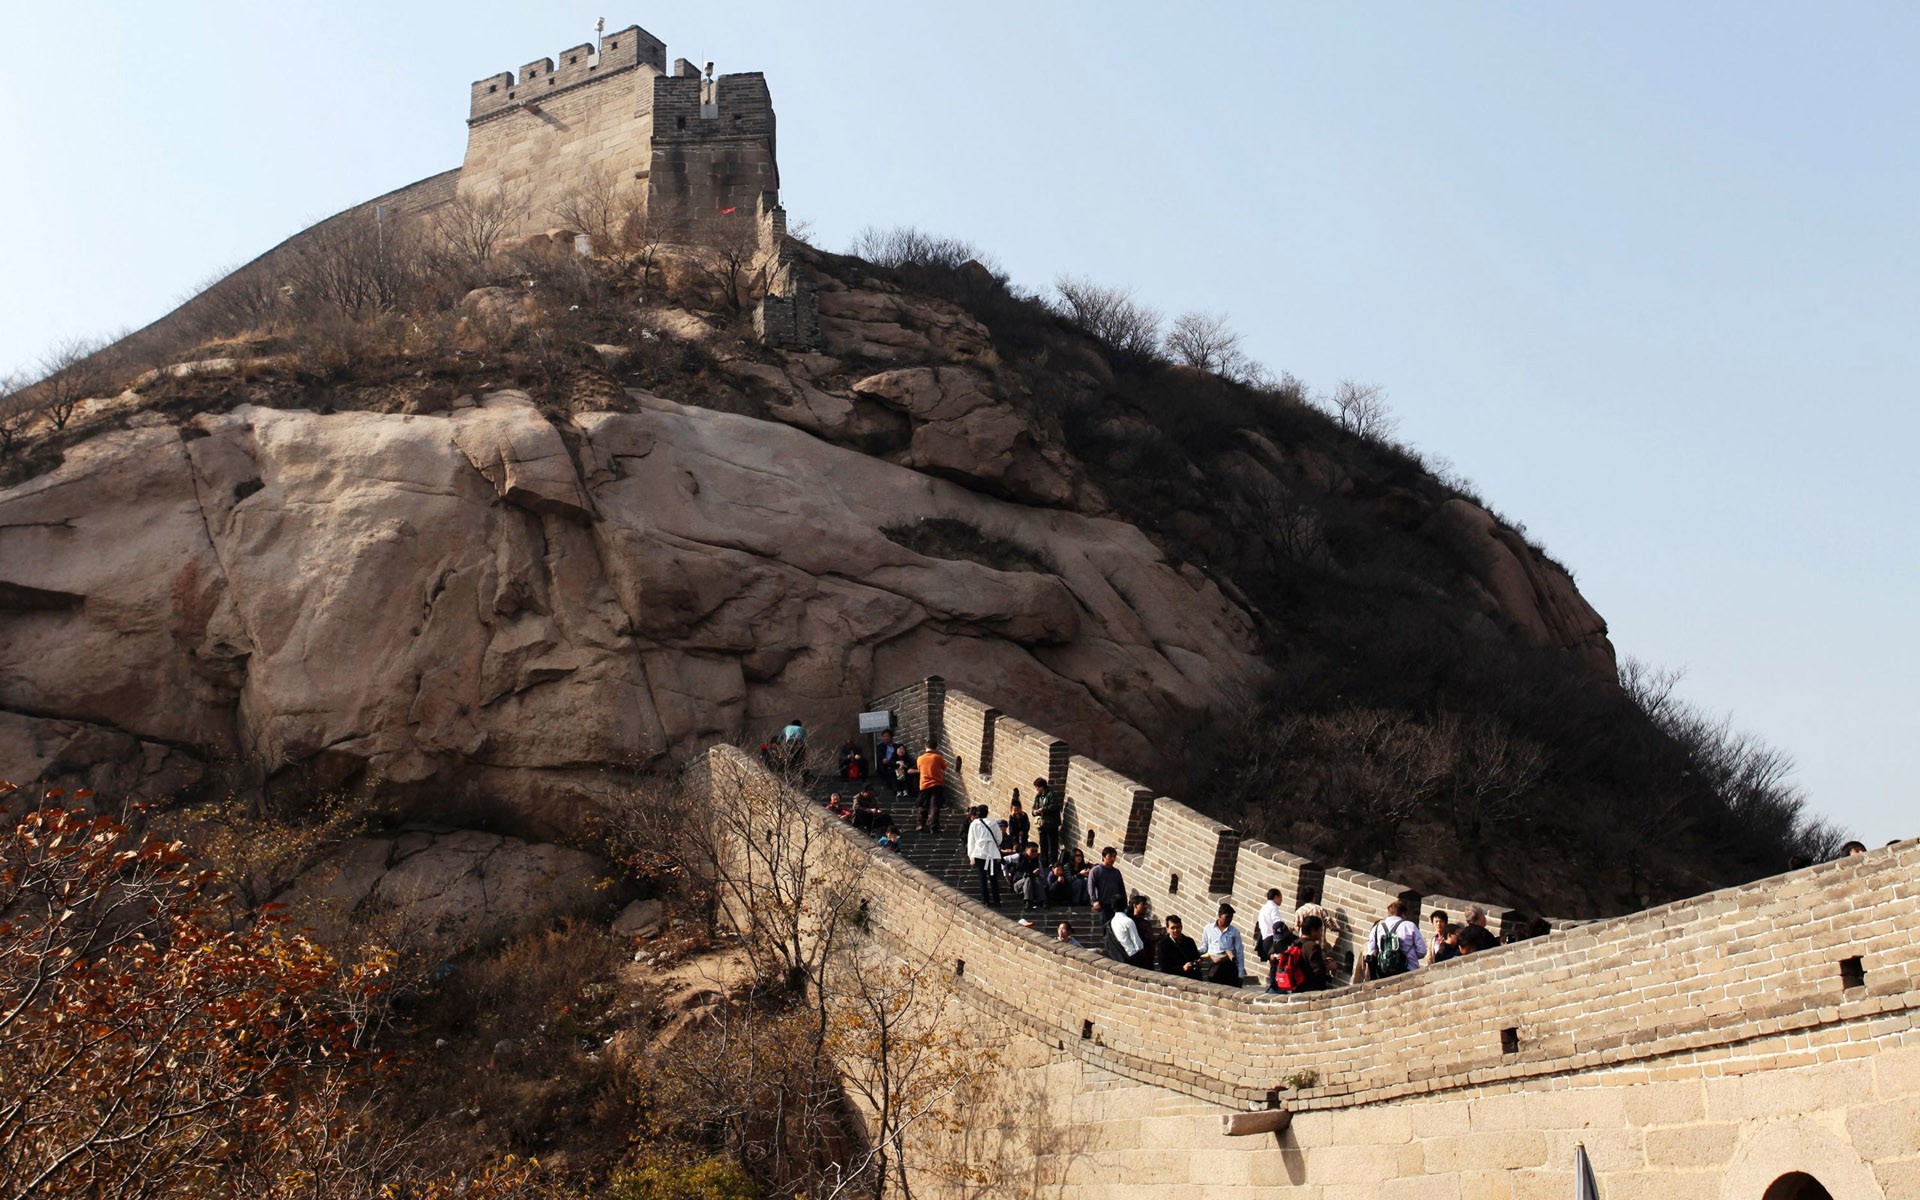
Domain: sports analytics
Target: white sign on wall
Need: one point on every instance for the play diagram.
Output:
(876, 722)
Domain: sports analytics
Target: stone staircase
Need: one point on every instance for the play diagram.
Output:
(943, 855)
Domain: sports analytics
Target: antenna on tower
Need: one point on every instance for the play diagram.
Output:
(599, 28)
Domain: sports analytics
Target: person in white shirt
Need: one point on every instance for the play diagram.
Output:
(1226, 960)
(983, 847)
(1126, 941)
(1395, 929)
(1270, 920)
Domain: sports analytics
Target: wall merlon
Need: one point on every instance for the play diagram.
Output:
(536, 81)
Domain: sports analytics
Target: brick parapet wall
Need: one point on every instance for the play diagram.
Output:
(544, 78)
(967, 722)
(1757, 961)
(1100, 800)
(1264, 867)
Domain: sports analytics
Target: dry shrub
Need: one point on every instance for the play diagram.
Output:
(539, 979)
(654, 1176)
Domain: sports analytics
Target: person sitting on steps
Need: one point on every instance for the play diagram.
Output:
(1029, 878)
(853, 763)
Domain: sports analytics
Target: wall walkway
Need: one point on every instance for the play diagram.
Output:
(1791, 995)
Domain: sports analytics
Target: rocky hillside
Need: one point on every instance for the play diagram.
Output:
(586, 524)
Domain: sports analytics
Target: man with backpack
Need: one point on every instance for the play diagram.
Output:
(1395, 946)
(1301, 966)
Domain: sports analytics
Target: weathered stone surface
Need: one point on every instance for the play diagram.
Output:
(521, 455)
(498, 306)
(451, 888)
(442, 599)
(962, 428)
(676, 322)
(638, 919)
(1534, 595)
(889, 326)
(74, 754)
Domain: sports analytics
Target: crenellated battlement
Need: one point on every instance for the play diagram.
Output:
(687, 107)
(689, 153)
(619, 52)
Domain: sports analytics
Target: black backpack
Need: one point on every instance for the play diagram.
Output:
(1390, 955)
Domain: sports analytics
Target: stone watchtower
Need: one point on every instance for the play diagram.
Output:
(694, 153)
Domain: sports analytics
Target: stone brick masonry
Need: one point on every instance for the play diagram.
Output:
(697, 153)
(1704, 1048)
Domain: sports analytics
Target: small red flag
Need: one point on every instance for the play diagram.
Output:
(727, 211)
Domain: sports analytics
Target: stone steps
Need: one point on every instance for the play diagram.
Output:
(943, 856)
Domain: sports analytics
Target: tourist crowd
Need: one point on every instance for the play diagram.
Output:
(1020, 856)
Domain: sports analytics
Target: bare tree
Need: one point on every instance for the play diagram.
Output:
(470, 228)
(904, 245)
(230, 302)
(358, 265)
(74, 370)
(600, 205)
(16, 410)
(1493, 769)
(1361, 409)
(1205, 342)
(732, 258)
(1110, 314)
(903, 1060)
(1293, 524)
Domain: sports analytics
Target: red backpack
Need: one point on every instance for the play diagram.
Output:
(1289, 972)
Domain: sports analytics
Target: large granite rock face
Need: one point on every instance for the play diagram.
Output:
(1535, 596)
(448, 889)
(474, 597)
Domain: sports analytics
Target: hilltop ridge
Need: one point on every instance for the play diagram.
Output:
(572, 461)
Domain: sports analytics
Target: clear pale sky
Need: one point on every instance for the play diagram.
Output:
(1648, 273)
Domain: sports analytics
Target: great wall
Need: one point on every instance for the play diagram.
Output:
(1756, 1043)
(690, 154)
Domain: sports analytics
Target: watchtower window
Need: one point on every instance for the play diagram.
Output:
(573, 58)
(493, 87)
(679, 122)
(613, 45)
